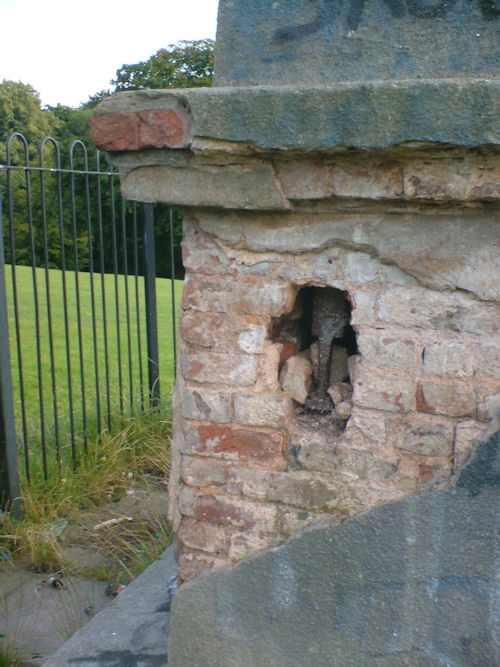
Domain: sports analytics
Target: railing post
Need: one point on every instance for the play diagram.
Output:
(151, 314)
(9, 476)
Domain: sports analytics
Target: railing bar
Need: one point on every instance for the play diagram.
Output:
(9, 478)
(151, 314)
(127, 309)
(172, 286)
(117, 297)
(92, 299)
(78, 310)
(60, 210)
(77, 172)
(17, 325)
(31, 228)
(137, 304)
(103, 291)
(49, 309)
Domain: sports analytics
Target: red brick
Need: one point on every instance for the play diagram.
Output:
(203, 536)
(227, 510)
(253, 448)
(383, 392)
(203, 329)
(193, 564)
(201, 255)
(273, 410)
(452, 400)
(434, 471)
(216, 368)
(288, 349)
(133, 131)
(367, 180)
(203, 471)
(207, 405)
(242, 544)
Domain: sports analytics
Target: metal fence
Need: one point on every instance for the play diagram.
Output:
(78, 300)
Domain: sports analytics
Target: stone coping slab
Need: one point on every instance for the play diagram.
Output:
(322, 41)
(363, 115)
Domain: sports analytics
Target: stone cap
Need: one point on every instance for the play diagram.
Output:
(325, 41)
(364, 115)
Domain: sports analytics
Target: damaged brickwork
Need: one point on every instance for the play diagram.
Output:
(251, 465)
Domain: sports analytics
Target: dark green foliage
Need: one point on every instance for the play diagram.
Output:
(182, 65)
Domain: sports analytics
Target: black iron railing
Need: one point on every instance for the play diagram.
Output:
(77, 284)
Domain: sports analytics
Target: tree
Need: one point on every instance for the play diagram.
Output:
(21, 111)
(186, 64)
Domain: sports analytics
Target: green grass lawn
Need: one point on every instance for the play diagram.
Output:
(127, 394)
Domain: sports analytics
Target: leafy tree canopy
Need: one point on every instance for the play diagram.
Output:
(186, 64)
(21, 111)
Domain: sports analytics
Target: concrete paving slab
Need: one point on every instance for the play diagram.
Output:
(38, 618)
(132, 631)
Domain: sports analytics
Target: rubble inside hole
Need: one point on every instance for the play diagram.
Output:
(318, 343)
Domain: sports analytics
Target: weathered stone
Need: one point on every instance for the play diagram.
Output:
(427, 248)
(227, 510)
(296, 378)
(251, 186)
(453, 400)
(382, 392)
(343, 409)
(450, 359)
(207, 405)
(367, 179)
(203, 536)
(203, 471)
(217, 368)
(308, 490)
(252, 339)
(434, 472)
(354, 366)
(268, 369)
(243, 543)
(195, 563)
(249, 447)
(468, 435)
(462, 180)
(445, 542)
(489, 409)
(388, 349)
(312, 182)
(428, 436)
(201, 255)
(389, 40)
(489, 357)
(341, 391)
(345, 114)
(271, 410)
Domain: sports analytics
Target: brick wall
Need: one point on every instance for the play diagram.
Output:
(426, 381)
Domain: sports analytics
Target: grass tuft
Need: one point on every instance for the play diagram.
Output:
(114, 464)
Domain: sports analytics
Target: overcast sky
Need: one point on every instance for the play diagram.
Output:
(69, 50)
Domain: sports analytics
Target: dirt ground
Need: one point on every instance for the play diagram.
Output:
(39, 611)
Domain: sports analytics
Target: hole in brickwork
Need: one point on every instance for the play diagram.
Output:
(318, 342)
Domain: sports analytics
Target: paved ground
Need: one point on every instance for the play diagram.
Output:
(37, 617)
(132, 631)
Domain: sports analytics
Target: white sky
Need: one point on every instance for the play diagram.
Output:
(69, 50)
